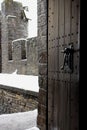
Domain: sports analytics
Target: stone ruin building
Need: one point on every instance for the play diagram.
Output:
(18, 51)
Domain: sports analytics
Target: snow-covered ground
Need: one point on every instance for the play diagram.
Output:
(22, 120)
(26, 82)
(19, 121)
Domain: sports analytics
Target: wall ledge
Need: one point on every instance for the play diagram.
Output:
(19, 91)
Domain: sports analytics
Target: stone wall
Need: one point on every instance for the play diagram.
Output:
(42, 59)
(28, 66)
(13, 100)
(17, 27)
(32, 56)
(13, 27)
(0, 45)
(42, 52)
(14, 32)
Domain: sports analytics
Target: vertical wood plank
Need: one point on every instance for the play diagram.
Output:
(74, 77)
(66, 76)
(61, 43)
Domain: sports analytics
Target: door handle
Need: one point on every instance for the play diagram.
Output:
(68, 59)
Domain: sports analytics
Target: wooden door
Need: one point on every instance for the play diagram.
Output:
(63, 84)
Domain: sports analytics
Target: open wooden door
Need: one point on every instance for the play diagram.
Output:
(63, 64)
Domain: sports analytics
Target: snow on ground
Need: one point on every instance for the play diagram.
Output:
(26, 82)
(19, 121)
(22, 120)
(33, 128)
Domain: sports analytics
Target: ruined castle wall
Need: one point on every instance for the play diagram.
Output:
(14, 29)
(13, 100)
(17, 27)
(28, 66)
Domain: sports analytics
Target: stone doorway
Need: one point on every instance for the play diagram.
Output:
(59, 88)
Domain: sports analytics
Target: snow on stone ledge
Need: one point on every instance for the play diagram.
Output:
(33, 128)
(26, 82)
(10, 16)
(20, 39)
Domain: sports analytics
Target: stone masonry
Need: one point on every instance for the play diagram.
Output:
(41, 46)
(42, 52)
(0, 46)
(13, 100)
(29, 65)
(14, 33)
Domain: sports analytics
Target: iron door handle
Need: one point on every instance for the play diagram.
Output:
(68, 59)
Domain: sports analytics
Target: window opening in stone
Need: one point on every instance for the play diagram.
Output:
(23, 49)
(10, 51)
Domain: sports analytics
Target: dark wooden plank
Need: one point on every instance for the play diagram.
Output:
(50, 63)
(66, 76)
(61, 36)
(75, 75)
(61, 21)
(74, 102)
(75, 38)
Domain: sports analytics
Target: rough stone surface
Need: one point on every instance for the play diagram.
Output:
(14, 100)
(28, 66)
(42, 57)
(0, 45)
(37, 50)
(14, 30)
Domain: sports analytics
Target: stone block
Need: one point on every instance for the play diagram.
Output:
(12, 101)
(42, 97)
(42, 110)
(43, 57)
(43, 69)
(43, 82)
